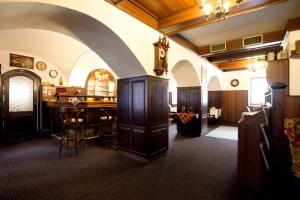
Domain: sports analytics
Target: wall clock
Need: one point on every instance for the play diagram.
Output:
(53, 73)
(161, 56)
(40, 65)
(234, 82)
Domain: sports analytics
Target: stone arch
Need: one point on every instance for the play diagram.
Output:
(89, 31)
(185, 74)
(214, 84)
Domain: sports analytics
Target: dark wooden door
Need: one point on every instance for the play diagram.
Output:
(20, 102)
(182, 99)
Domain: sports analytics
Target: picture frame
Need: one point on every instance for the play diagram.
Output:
(21, 61)
(203, 76)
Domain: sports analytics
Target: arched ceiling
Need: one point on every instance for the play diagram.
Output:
(56, 48)
(182, 70)
(92, 33)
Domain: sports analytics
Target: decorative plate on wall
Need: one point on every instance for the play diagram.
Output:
(40, 65)
(234, 82)
(53, 73)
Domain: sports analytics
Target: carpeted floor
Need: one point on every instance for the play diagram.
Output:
(194, 168)
(225, 132)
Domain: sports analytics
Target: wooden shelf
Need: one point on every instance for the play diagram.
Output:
(294, 54)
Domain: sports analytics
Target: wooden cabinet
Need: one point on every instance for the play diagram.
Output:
(250, 164)
(143, 115)
(190, 99)
(278, 71)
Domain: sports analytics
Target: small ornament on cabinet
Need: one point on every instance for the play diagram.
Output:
(60, 82)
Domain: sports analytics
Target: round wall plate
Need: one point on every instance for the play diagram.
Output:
(40, 65)
(53, 73)
(234, 82)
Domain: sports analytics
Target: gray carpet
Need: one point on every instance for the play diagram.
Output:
(194, 168)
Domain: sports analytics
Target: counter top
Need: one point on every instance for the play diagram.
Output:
(83, 104)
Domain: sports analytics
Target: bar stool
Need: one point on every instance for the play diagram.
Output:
(107, 126)
(69, 117)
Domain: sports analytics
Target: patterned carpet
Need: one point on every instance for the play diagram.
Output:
(194, 168)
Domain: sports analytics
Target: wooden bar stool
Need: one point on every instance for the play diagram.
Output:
(70, 120)
(107, 126)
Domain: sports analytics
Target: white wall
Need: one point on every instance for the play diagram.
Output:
(294, 64)
(44, 75)
(136, 35)
(244, 78)
(86, 63)
(185, 74)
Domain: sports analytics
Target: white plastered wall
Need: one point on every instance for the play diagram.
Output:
(85, 64)
(294, 64)
(243, 77)
(137, 36)
(44, 75)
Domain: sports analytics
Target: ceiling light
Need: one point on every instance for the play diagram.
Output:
(220, 9)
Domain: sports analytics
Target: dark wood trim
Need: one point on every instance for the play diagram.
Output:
(233, 45)
(293, 24)
(137, 11)
(240, 55)
(184, 42)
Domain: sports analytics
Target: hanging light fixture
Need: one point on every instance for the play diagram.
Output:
(258, 64)
(220, 9)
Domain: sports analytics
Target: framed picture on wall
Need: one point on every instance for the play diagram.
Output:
(203, 76)
(16, 60)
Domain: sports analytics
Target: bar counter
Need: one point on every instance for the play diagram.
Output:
(83, 104)
(90, 115)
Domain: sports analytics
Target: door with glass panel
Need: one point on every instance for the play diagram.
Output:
(20, 103)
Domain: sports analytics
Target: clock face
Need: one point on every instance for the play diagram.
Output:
(234, 82)
(162, 52)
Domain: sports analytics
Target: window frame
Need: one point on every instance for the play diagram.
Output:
(250, 103)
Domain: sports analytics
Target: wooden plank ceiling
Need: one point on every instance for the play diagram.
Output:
(171, 17)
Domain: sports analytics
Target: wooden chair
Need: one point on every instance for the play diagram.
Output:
(70, 120)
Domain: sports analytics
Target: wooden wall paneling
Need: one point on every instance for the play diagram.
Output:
(143, 115)
(215, 99)
(292, 107)
(138, 96)
(278, 71)
(190, 97)
(250, 166)
(204, 109)
(234, 103)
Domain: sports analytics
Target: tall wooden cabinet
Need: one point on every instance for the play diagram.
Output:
(143, 115)
(193, 99)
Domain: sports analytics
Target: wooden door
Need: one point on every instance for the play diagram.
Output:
(182, 98)
(20, 103)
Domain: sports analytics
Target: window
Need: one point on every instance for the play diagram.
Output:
(258, 87)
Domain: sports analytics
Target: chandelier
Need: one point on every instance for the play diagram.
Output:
(258, 64)
(219, 9)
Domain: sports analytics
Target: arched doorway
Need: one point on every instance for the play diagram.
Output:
(20, 103)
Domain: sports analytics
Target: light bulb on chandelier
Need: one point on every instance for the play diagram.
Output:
(220, 9)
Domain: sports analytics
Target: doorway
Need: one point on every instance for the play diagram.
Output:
(20, 103)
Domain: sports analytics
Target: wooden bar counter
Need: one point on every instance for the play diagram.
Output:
(90, 114)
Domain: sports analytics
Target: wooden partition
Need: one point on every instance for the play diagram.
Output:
(234, 103)
(215, 98)
(278, 71)
(143, 115)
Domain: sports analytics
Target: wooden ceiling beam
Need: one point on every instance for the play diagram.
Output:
(235, 65)
(194, 17)
(240, 55)
(137, 11)
(293, 24)
(233, 45)
(184, 42)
